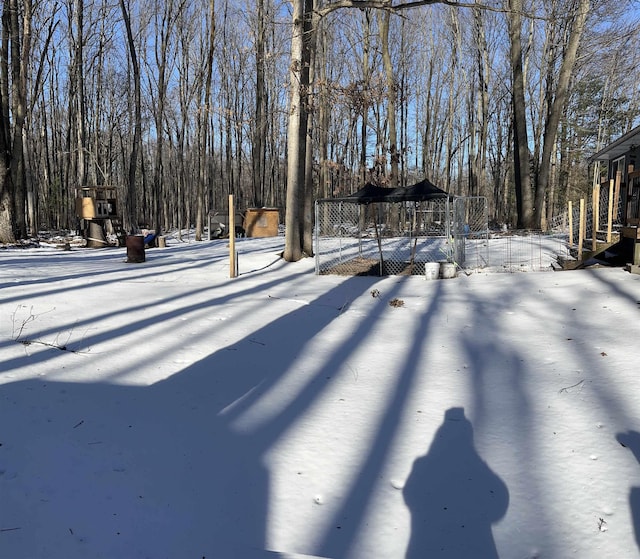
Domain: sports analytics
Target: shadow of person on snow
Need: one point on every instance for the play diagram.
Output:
(454, 497)
(631, 440)
(177, 468)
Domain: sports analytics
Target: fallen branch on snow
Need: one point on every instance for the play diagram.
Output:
(567, 388)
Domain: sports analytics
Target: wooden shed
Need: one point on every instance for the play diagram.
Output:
(261, 222)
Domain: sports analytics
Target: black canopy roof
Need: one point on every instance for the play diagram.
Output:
(419, 192)
(369, 193)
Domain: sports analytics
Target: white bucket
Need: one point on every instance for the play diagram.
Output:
(431, 270)
(447, 270)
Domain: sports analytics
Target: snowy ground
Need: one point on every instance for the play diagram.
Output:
(164, 410)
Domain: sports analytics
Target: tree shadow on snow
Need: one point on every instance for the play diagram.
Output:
(166, 470)
(341, 534)
(631, 440)
(454, 496)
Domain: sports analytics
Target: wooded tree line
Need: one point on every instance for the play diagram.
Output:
(179, 103)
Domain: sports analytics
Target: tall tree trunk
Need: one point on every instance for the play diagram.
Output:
(366, 84)
(392, 93)
(131, 217)
(15, 50)
(260, 124)
(7, 234)
(323, 112)
(79, 99)
(310, 37)
(20, 51)
(6, 203)
(296, 137)
(165, 23)
(452, 101)
(557, 106)
(203, 122)
(522, 172)
(482, 105)
(427, 145)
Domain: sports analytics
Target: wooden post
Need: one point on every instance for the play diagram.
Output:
(595, 217)
(616, 195)
(232, 239)
(570, 223)
(581, 229)
(610, 212)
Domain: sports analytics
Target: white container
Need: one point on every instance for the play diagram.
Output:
(431, 270)
(447, 270)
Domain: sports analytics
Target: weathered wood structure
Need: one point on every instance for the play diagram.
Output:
(96, 207)
(617, 168)
(261, 222)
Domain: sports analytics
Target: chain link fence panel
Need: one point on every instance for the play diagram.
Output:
(395, 238)
(382, 238)
(401, 238)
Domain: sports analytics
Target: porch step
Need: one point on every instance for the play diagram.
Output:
(587, 254)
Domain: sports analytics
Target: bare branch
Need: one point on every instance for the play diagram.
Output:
(392, 6)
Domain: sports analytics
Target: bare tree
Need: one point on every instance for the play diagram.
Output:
(556, 100)
(213, 119)
(479, 135)
(131, 218)
(296, 136)
(7, 193)
(260, 121)
(15, 48)
(392, 93)
(203, 118)
(522, 166)
(165, 22)
(77, 106)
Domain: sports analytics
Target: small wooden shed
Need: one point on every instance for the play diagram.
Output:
(261, 222)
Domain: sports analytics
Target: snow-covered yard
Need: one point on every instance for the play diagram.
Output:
(164, 410)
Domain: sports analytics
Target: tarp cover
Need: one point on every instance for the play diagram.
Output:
(369, 193)
(419, 192)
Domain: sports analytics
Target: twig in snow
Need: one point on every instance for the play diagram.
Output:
(26, 321)
(567, 388)
(17, 337)
(254, 341)
(299, 301)
(54, 346)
